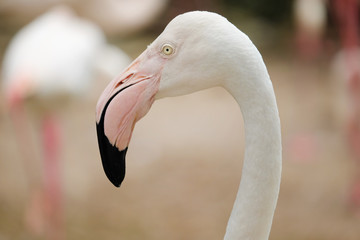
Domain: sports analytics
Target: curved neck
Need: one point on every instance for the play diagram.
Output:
(254, 207)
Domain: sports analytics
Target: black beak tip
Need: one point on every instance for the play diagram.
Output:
(113, 159)
(114, 165)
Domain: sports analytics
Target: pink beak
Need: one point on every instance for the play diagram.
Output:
(124, 101)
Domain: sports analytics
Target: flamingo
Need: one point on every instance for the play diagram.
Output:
(199, 50)
(122, 18)
(49, 61)
(116, 18)
(310, 18)
(347, 65)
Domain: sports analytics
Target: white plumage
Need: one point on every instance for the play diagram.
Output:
(54, 55)
(199, 50)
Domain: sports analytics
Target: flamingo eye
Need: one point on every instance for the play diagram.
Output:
(167, 49)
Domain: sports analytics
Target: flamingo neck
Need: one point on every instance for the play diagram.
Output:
(253, 211)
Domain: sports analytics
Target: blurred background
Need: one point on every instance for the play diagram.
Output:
(185, 158)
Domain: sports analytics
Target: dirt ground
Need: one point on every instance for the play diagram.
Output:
(184, 165)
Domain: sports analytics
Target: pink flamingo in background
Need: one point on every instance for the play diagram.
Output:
(48, 62)
(347, 16)
(310, 20)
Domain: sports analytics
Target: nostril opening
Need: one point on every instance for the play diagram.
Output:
(124, 80)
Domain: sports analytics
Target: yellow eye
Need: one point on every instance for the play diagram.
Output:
(167, 49)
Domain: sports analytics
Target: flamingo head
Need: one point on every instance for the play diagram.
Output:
(180, 61)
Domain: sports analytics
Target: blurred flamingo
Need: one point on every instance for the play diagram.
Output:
(122, 18)
(347, 16)
(116, 18)
(310, 19)
(199, 50)
(48, 62)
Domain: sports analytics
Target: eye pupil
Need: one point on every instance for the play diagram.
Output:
(166, 49)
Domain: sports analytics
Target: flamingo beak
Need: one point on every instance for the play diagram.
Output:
(124, 101)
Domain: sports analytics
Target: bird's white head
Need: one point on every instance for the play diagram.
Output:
(197, 50)
(197, 47)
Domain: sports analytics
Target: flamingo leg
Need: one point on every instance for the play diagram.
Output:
(354, 137)
(34, 215)
(26, 146)
(43, 213)
(52, 178)
(347, 13)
